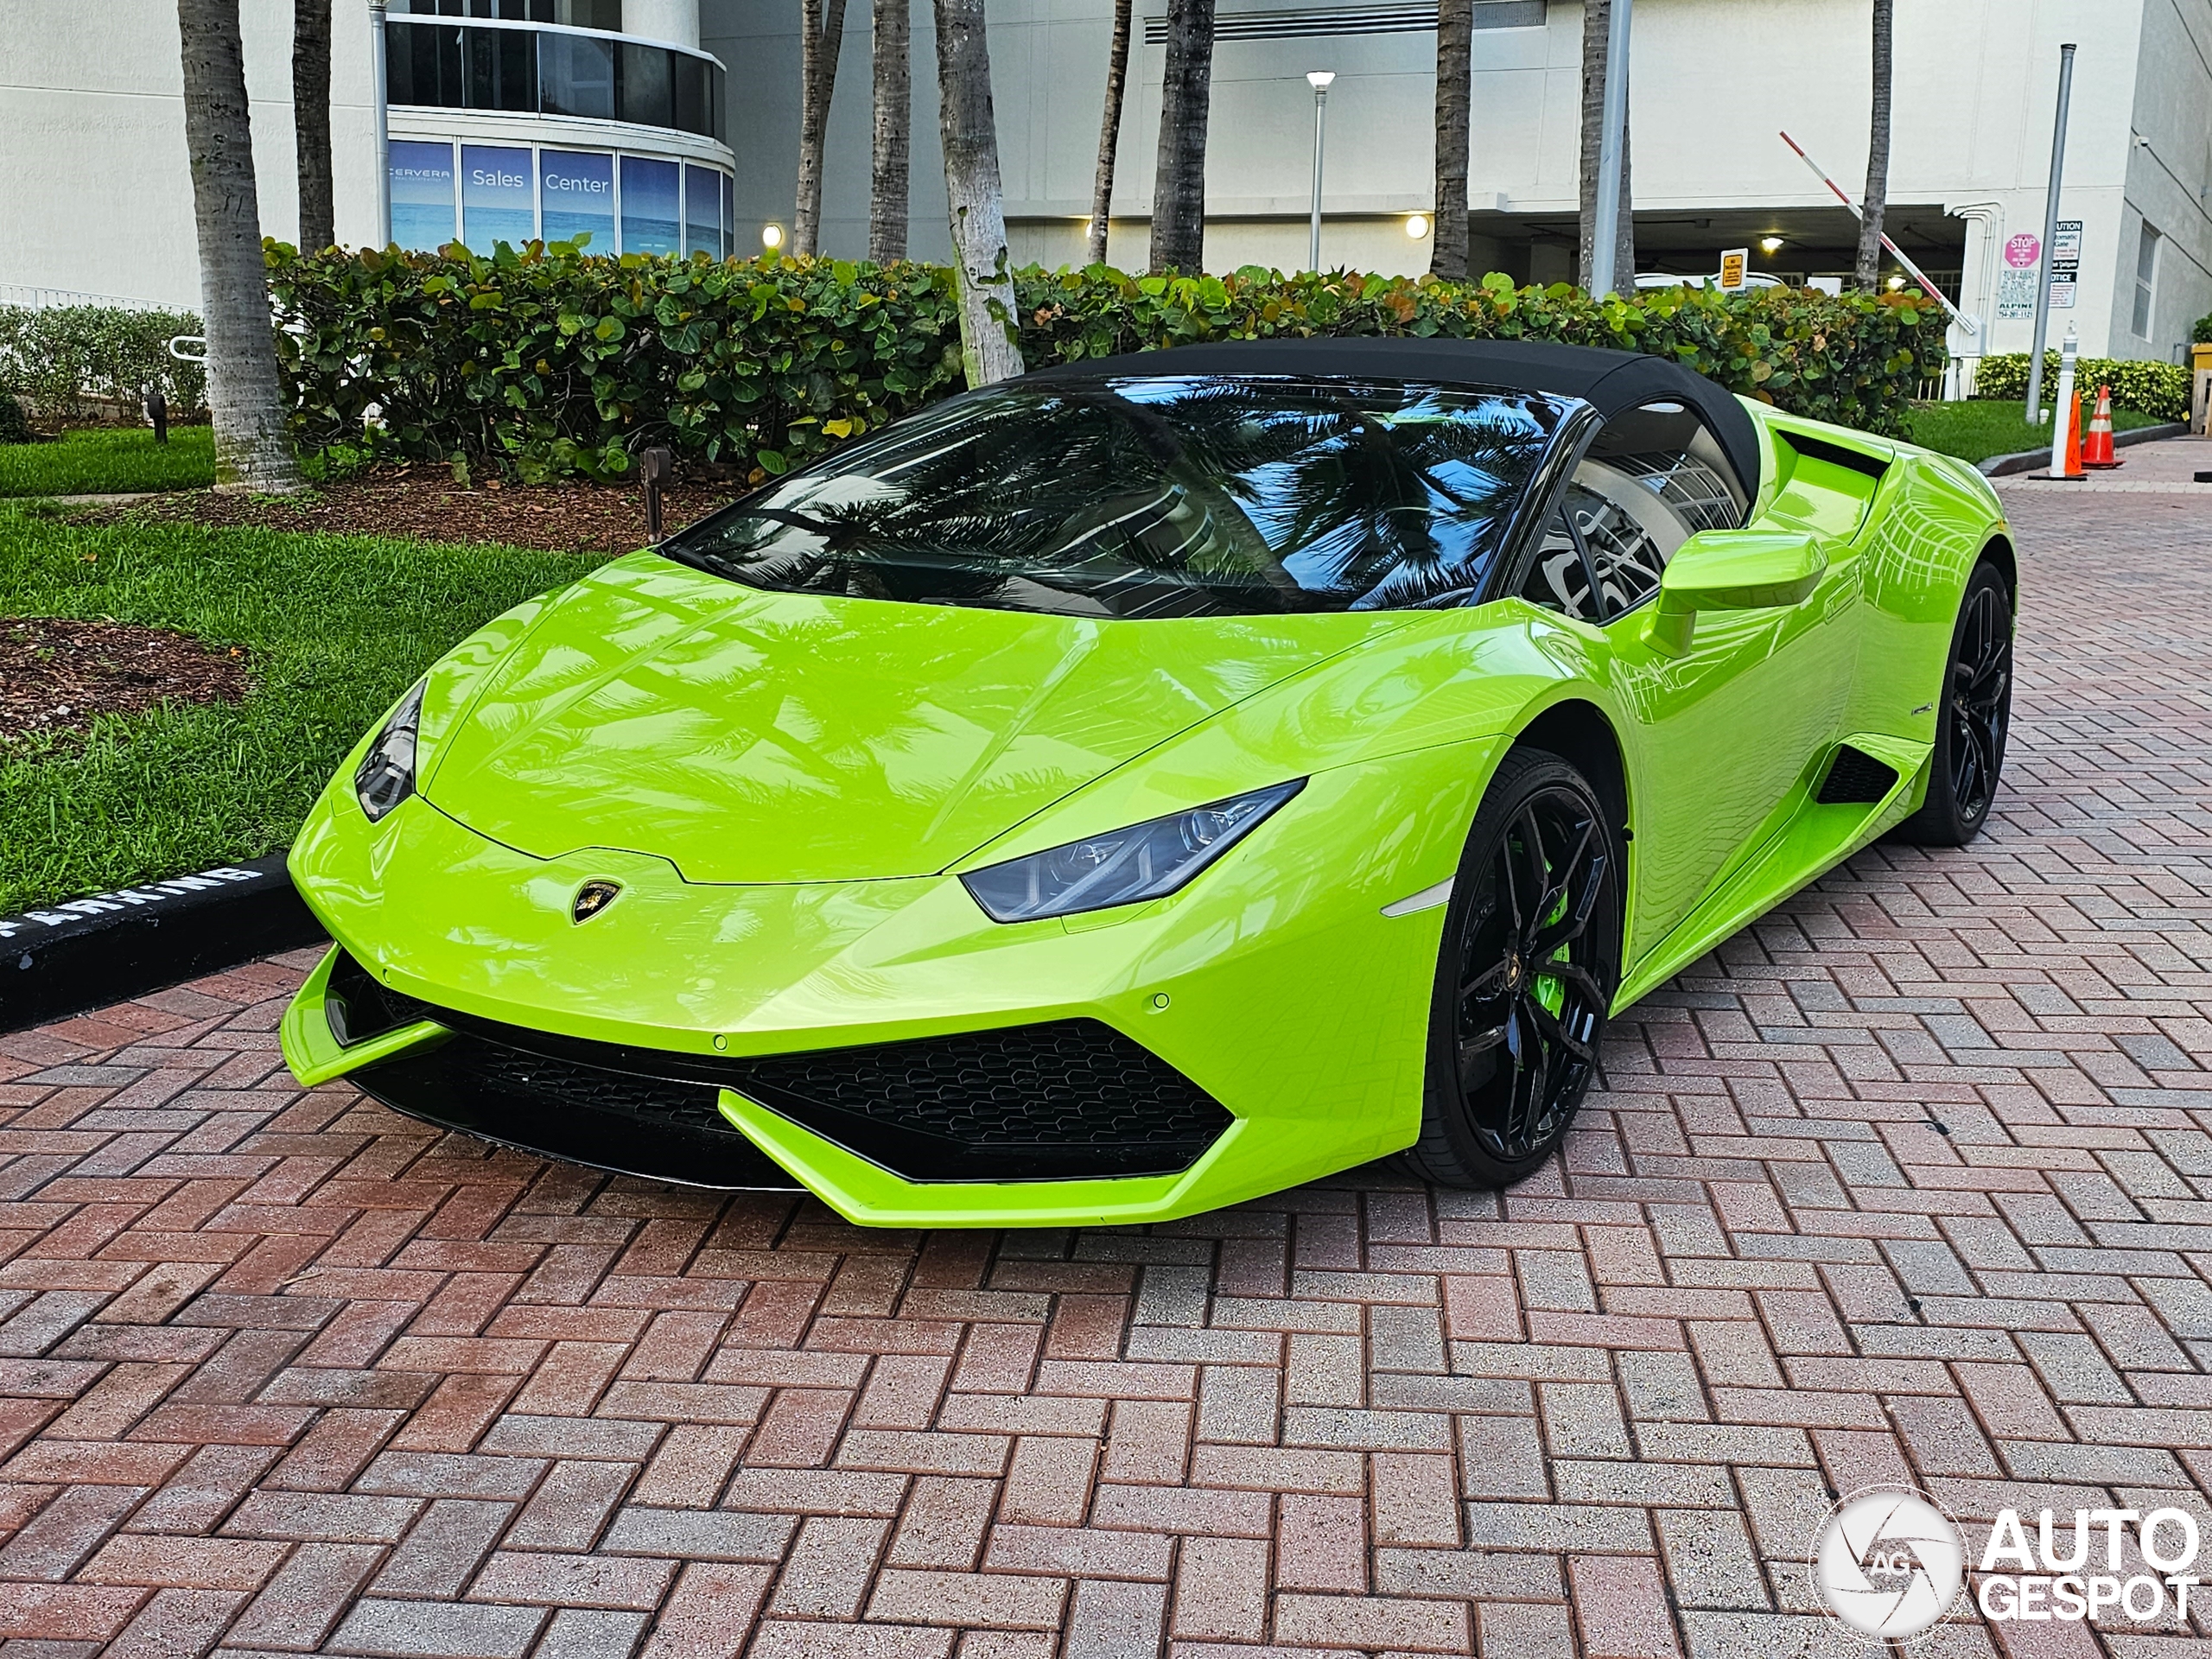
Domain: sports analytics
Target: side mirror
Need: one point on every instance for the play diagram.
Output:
(1731, 570)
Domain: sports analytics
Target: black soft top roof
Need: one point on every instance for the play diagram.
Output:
(1608, 381)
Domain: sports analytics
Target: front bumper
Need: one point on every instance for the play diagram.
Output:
(1273, 985)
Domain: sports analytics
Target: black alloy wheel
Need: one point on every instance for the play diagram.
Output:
(1526, 977)
(1974, 715)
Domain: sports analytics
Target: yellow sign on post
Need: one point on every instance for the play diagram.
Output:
(1734, 262)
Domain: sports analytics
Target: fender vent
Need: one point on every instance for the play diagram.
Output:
(1855, 777)
(1852, 461)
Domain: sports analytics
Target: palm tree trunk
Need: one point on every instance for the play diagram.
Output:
(1455, 39)
(1109, 134)
(1597, 19)
(895, 128)
(982, 272)
(1624, 230)
(1179, 191)
(311, 120)
(1597, 24)
(1868, 271)
(252, 451)
(821, 35)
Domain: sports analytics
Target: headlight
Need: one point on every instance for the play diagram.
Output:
(386, 774)
(1124, 866)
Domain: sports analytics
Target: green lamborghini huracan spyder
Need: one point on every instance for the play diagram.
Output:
(1153, 781)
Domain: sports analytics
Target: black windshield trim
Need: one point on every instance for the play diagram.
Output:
(1609, 381)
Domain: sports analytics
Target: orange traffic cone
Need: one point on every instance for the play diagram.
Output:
(2096, 449)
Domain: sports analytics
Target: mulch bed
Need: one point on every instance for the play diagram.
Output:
(424, 503)
(55, 674)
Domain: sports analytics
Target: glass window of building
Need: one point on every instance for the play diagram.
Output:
(496, 202)
(502, 68)
(702, 210)
(577, 14)
(645, 92)
(576, 197)
(422, 65)
(575, 75)
(692, 94)
(2146, 277)
(421, 194)
(651, 211)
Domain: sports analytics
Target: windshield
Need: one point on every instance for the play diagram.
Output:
(1159, 496)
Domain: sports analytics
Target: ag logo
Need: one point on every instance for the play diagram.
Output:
(1889, 1563)
(592, 898)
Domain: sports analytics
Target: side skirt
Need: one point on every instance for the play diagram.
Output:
(1813, 840)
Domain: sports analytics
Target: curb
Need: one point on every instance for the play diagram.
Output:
(2027, 460)
(85, 953)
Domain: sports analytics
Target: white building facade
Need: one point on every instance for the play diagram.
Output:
(511, 118)
(1713, 84)
(508, 120)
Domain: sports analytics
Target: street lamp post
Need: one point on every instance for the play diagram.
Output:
(1604, 224)
(2050, 234)
(377, 92)
(1319, 80)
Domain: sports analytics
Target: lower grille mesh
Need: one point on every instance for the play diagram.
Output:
(667, 1129)
(1067, 1100)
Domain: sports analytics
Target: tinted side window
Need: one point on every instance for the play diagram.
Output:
(1558, 578)
(1653, 478)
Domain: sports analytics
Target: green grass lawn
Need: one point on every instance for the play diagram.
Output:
(1980, 427)
(109, 460)
(334, 627)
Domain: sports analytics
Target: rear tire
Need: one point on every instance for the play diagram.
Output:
(1973, 714)
(1526, 976)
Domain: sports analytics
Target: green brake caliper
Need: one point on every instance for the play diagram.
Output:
(1549, 989)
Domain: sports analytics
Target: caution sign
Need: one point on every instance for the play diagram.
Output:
(1734, 262)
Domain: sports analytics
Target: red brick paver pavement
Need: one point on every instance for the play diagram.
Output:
(1911, 1181)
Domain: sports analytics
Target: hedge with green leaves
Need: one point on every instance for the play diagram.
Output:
(65, 361)
(2158, 389)
(547, 360)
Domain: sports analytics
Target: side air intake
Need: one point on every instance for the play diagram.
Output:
(1855, 777)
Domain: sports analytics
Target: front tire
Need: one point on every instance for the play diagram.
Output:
(1972, 720)
(1525, 978)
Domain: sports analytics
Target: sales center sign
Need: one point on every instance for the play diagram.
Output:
(1890, 1565)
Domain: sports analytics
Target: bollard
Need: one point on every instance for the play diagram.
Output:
(654, 465)
(2065, 426)
(157, 411)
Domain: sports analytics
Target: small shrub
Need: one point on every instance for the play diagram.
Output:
(549, 361)
(66, 360)
(2201, 332)
(14, 428)
(2158, 389)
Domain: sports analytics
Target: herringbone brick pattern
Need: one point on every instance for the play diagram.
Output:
(1911, 1181)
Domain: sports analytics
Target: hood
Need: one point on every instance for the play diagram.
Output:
(762, 737)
